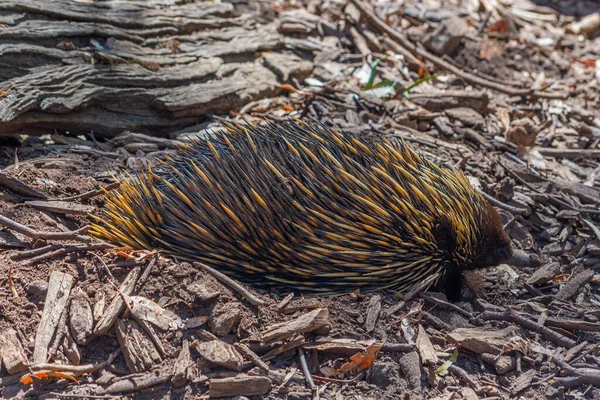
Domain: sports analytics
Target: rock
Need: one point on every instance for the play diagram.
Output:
(11, 352)
(81, 318)
(467, 116)
(37, 288)
(447, 36)
(410, 364)
(203, 291)
(593, 248)
(384, 374)
(224, 317)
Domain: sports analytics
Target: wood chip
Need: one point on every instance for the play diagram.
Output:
(146, 310)
(502, 364)
(522, 382)
(544, 274)
(574, 284)
(251, 356)
(221, 353)
(316, 320)
(61, 207)
(117, 305)
(181, 369)
(138, 350)
(11, 352)
(241, 385)
(18, 187)
(195, 322)
(425, 348)
(59, 289)
(480, 340)
(81, 318)
(373, 310)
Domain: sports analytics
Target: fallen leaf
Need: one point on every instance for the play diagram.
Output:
(490, 49)
(28, 379)
(361, 361)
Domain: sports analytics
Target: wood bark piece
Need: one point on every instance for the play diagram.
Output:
(18, 187)
(81, 318)
(117, 305)
(61, 207)
(522, 382)
(159, 87)
(11, 352)
(480, 340)
(574, 284)
(502, 364)
(373, 310)
(139, 352)
(425, 347)
(221, 353)
(440, 101)
(251, 356)
(181, 369)
(288, 66)
(59, 288)
(241, 385)
(544, 274)
(137, 15)
(316, 320)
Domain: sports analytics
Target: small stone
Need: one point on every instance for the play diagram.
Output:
(447, 36)
(593, 248)
(11, 352)
(81, 318)
(557, 249)
(410, 364)
(384, 374)
(467, 116)
(37, 288)
(203, 291)
(224, 317)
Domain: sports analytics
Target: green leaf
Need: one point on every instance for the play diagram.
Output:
(419, 82)
(387, 82)
(373, 75)
(443, 369)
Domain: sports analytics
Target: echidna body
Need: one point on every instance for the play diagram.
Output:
(305, 208)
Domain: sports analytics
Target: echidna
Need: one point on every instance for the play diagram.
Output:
(298, 206)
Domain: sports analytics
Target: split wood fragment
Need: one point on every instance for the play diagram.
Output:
(59, 289)
(117, 305)
(241, 385)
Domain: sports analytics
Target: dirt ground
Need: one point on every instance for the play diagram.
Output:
(521, 117)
